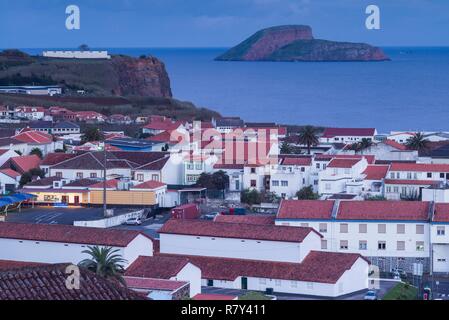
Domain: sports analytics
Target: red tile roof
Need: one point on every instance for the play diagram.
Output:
(10, 173)
(10, 265)
(48, 282)
(396, 145)
(110, 184)
(441, 212)
(356, 132)
(419, 167)
(166, 125)
(67, 234)
(54, 158)
(236, 230)
(411, 182)
(23, 164)
(383, 210)
(246, 219)
(157, 267)
(375, 172)
(153, 284)
(34, 137)
(296, 161)
(343, 163)
(305, 209)
(149, 185)
(317, 266)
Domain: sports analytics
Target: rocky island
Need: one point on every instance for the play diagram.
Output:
(297, 43)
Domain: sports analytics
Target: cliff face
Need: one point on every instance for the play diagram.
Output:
(119, 76)
(296, 43)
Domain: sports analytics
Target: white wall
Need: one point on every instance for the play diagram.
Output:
(192, 274)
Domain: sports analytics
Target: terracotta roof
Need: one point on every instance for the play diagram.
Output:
(246, 219)
(10, 173)
(295, 161)
(110, 184)
(23, 164)
(383, 210)
(153, 284)
(343, 163)
(10, 265)
(49, 283)
(419, 167)
(149, 185)
(236, 230)
(441, 212)
(305, 209)
(411, 182)
(396, 145)
(92, 161)
(356, 132)
(156, 267)
(375, 172)
(34, 137)
(67, 234)
(54, 158)
(317, 266)
(166, 125)
(81, 183)
(155, 165)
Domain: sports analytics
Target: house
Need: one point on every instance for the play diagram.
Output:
(159, 125)
(391, 234)
(158, 166)
(30, 113)
(373, 179)
(28, 281)
(61, 244)
(119, 119)
(39, 140)
(235, 174)
(62, 114)
(6, 154)
(58, 128)
(409, 179)
(158, 267)
(227, 124)
(22, 164)
(90, 117)
(439, 238)
(391, 150)
(261, 257)
(401, 137)
(130, 144)
(159, 189)
(347, 135)
(9, 180)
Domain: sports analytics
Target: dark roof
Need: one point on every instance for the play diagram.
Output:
(48, 282)
(42, 182)
(67, 234)
(236, 230)
(155, 165)
(130, 142)
(81, 183)
(9, 141)
(92, 161)
(140, 158)
(317, 266)
(65, 125)
(230, 122)
(51, 125)
(157, 267)
(55, 158)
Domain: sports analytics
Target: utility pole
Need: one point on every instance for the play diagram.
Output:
(105, 206)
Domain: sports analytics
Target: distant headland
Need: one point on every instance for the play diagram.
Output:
(296, 43)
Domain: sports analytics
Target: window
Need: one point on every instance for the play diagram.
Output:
(441, 231)
(199, 166)
(400, 245)
(93, 175)
(303, 169)
(79, 175)
(275, 183)
(419, 245)
(317, 165)
(381, 245)
(140, 177)
(429, 174)
(190, 166)
(409, 175)
(388, 189)
(284, 183)
(253, 183)
(396, 189)
(324, 244)
(419, 229)
(323, 227)
(343, 244)
(442, 175)
(392, 175)
(155, 177)
(59, 174)
(363, 245)
(381, 228)
(363, 228)
(253, 170)
(343, 228)
(400, 228)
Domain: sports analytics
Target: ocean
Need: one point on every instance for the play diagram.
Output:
(411, 92)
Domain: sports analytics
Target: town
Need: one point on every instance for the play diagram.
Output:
(219, 210)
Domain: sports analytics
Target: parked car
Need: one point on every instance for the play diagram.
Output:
(370, 295)
(210, 216)
(133, 222)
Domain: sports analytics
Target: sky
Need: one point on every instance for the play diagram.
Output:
(216, 23)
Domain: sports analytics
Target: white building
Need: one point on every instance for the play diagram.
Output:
(439, 238)
(61, 244)
(391, 234)
(347, 135)
(77, 54)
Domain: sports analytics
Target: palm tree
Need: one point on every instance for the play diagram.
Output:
(308, 136)
(365, 143)
(286, 148)
(417, 142)
(105, 262)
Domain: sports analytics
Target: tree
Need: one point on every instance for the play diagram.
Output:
(251, 197)
(363, 144)
(307, 193)
(216, 181)
(286, 148)
(27, 177)
(308, 137)
(105, 262)
(92, 134)
(418, 142)
(37, 152)
(84, 47)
